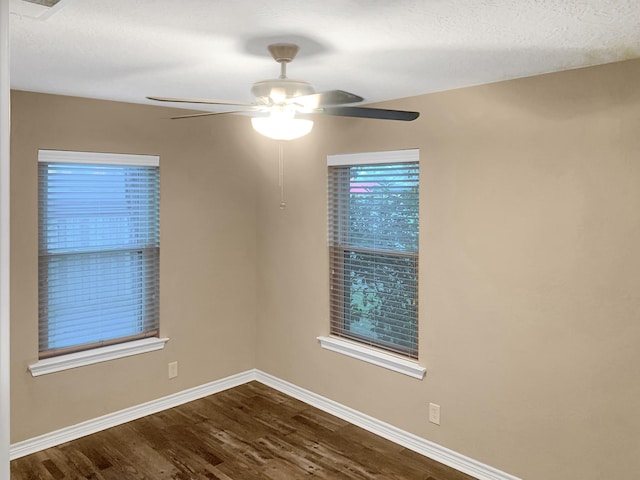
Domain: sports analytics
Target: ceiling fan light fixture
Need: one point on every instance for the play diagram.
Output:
(282, 126)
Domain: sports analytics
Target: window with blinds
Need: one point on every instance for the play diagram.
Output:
(373, 249)
(99, 247)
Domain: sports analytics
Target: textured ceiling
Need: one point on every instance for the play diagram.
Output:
(380, 49)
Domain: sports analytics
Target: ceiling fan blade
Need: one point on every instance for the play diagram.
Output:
(201, 100)
(331, 97)
(364, 112)
(207, 114)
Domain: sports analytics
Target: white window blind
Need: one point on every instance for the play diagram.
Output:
(98, 249)
(373, 245)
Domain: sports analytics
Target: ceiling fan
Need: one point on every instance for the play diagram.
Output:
(283, 107)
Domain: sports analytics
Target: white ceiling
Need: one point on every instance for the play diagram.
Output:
(380, 49)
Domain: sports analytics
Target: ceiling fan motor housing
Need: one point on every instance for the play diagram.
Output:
(278, 90)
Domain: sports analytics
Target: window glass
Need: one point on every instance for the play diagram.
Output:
(373, 234)
(98, 254)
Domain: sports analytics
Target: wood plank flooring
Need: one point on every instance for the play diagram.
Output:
(249, 432)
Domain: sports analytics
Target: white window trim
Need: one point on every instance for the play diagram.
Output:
(373, 356)
(63, 156)
(358, 350)
(111, 352)
(391, 156)
(96, 355)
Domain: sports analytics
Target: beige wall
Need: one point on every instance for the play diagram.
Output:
(530, 284)
(208, 256)
(529, 267)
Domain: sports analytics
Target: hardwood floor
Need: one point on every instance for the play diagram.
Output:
(249, 432)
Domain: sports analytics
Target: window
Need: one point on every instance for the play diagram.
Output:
(98, 250)
(373, 249)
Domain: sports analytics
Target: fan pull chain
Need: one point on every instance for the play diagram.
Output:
(283, 204)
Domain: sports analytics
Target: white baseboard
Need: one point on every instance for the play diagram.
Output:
(413, 442)
(73, 432)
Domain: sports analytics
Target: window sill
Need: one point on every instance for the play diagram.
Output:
(375, 357)
(96, 355)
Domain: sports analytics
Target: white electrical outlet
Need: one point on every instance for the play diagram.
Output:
(434, 413)
(173, 369)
